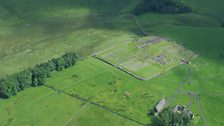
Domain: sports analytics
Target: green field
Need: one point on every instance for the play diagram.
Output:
(146, 57)
(42, 107)
(32, 32)
(105, 85)
(61, 27)
(109, 87)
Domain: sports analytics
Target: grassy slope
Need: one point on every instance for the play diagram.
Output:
(207, 7)
(27, 28)
(101, 90)
(199, 32)
(35, 105)
(46, 32)
(95, 116)
(109, 86)
(42, 107)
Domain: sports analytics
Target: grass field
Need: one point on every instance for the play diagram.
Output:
(42, 106)
(207, 70)
(61, 27)
(105, 85)
(109, 87)
(32, 32)
(146, 57)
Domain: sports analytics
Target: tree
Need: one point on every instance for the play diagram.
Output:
(4, 89)
(25, 78)
(9, 86)
(59, 64)
(36, 76)
(222, 25)
(47, 66)
(161, 6)
(70, 59)
(168, 118)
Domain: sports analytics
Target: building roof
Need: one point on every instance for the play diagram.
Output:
(161, 105)
(181, 109)
(176, 108)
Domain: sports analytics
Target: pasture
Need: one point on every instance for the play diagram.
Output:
(109, 87)
(101, 83)
(41, 106)
(36, 31)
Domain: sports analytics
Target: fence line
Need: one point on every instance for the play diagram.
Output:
(120, 68)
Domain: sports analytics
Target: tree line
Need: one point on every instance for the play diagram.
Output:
(35, 76)
(161, 6)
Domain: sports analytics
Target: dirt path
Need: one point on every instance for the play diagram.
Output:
(192, 94)
(181, 85)
(186, 79)
(196, 96)
(200, 110)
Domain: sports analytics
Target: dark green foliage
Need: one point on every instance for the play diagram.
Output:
(222, 25)
(9, 86)
(60, 64)
(25, 78)
(221, 55)
(151, 112)
(19, 8)
(168, 118)
(69, 60)
(4, 89)
(36, 76)
(161, 6)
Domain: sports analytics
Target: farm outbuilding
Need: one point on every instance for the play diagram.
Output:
(161, 105)
(181, 109)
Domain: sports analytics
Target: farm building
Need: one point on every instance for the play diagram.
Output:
(180, 109)
(161, 105)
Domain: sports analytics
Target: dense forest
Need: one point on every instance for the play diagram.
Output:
(161, 6)
(36, 76)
